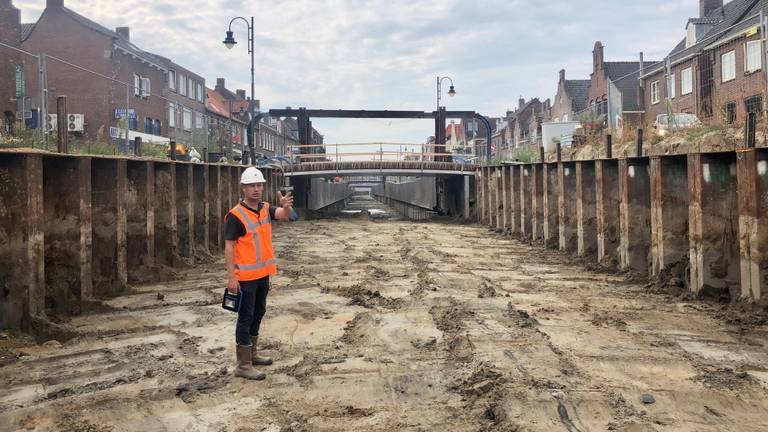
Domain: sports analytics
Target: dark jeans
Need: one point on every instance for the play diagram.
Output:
(253, 305)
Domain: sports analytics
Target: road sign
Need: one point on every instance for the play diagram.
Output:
(19, 81)
(120, 113)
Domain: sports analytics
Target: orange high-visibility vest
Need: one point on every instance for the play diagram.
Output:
(254, 256)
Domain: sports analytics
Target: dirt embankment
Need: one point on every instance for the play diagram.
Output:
(704, 139)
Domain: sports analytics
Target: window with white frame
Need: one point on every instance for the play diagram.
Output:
(671, 86)
(686, 81)
(172, 79)
(182, 85)
(191, 89)
(198, 120)
(171, 115)
(752, 58)
(187, 119)
(728, 66)
(200, 93)
(655, 92)
(136, 85)
(146, 87)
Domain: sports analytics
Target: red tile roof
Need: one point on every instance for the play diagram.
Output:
(216, 103)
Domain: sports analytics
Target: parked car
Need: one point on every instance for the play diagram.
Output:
(665, 123)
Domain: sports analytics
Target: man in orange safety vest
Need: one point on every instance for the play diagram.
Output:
(250, 262)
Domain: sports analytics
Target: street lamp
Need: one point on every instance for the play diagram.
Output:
(229, 42)
(451, 91)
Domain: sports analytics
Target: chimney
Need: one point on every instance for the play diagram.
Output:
(562, 75)
(597, 56)
(220, 84)
(707, 6)
(54, 4)
(520, 102)
(124, 32)
(240, 93)
(641, 69)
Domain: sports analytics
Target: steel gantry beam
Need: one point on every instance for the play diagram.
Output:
(323, 113)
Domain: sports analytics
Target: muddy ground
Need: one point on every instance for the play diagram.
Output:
(390, 325)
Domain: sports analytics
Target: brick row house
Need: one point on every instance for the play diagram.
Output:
(521, 128)
(226, 132)
(570, 99)
(163, 100)
(10, 60)
(273, 136)
(476, 136)
(455, 138)
(614, 90)
(104, 102)
(186, 101)
(716, 71)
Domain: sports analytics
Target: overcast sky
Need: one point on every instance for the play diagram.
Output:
(386, 54)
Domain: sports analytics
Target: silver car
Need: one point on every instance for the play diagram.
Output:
(666, 123)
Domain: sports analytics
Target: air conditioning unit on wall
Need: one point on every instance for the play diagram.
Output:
(75, 122)
(50, 122)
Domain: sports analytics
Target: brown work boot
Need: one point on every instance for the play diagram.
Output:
(257, 360)
(244, 367)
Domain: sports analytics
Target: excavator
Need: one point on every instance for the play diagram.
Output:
(183, 154)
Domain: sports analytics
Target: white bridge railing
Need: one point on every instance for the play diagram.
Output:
(377, 151)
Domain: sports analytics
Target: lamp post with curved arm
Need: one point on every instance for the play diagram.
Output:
(230, 42)
(451, 91)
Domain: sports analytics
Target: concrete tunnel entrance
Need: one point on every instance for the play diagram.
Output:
(411, 197)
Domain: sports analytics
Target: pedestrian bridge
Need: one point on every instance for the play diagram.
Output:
(379, 168)
(379, 159)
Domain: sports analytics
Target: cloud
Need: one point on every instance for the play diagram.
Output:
(385, 54)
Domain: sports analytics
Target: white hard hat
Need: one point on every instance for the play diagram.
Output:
(252, 175)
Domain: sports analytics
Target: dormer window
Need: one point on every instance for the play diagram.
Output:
(690, 38)
(697, 29)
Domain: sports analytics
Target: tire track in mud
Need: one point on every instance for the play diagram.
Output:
(83, 374)
(571, 378)
(481, 385)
